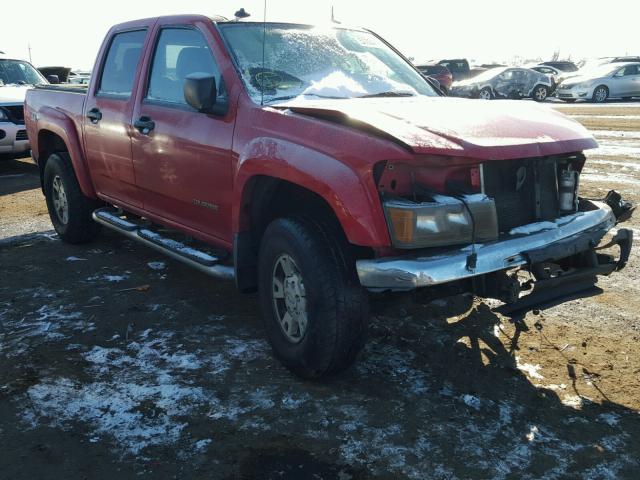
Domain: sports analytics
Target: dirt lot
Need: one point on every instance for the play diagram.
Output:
(100, 379)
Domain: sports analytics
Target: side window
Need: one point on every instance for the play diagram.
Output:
(119, 68)
(179, 53)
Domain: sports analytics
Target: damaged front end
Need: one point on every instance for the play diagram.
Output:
(479, 227)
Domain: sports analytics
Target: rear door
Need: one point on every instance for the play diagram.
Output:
(183, 162)
(107, 122)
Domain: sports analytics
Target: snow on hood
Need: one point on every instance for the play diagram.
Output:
(458, 127)
(13, 94)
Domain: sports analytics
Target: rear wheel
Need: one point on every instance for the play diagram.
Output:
(70, 211)
(540, 93)
(600, 94)
(315, 311)
(485, 94)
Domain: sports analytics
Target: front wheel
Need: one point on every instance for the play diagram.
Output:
(70, 211)
(600, 94)
(540, 93)
(315, 311)
(485, 94)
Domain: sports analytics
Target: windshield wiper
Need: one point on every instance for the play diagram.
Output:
(289, 97)
(390, 93)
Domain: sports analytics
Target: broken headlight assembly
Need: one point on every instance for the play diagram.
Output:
(441, 221)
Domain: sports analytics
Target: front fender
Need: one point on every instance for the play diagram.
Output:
(353, 198)
(60, 124)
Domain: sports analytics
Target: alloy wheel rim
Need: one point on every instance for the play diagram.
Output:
(541, 93)
(485, 95)
(60, 203)
(289, 298)
(601, 94)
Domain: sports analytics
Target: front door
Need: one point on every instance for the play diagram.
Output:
(622, 81)
(107, 121)
(182, 157)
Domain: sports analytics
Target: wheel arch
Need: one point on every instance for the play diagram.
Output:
(57, 133)
(266, 198)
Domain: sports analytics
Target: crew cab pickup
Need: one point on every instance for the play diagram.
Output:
(316, 165)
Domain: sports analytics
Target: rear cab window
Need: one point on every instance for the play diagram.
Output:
(121, 64)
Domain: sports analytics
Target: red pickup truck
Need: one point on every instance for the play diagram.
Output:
(315, 166)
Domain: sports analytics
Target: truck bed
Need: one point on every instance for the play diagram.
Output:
(42, 103)
(71, 88)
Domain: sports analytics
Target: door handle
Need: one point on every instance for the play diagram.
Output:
(94, 115)
(144, 125)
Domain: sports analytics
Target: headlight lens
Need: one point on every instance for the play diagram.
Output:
(3, 115)
(445, 221)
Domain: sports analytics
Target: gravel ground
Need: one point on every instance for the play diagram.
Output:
(115, 361)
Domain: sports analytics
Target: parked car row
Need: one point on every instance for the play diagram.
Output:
(598, 80)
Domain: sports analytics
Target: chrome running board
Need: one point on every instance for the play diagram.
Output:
(197, 259)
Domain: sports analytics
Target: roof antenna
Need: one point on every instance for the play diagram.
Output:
(241, 14)
(264, 40)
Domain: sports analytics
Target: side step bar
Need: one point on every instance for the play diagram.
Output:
(194, 258)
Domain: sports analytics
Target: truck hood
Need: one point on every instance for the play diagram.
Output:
(10, 94)
(484, 130)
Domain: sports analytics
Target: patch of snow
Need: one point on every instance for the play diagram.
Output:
(157, 265)
(472, 401)
(610, 419)
(532, 370)
(533, 228)
(75, 259)
(573, 401)
(533, 431)
(137, 415)
(202, 444)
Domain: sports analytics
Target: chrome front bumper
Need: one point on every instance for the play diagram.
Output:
(10, 142)
(428, 268)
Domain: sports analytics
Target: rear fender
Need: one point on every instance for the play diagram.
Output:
(353, 199)
(60, 124)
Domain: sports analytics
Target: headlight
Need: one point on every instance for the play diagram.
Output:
(445, 221)
(3, 115)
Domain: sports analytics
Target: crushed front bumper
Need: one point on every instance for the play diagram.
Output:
(538, 242)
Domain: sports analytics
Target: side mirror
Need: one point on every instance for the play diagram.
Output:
(53, 79)
(200, 91)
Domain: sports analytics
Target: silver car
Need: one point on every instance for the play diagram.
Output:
(612, 80)
(505, 82)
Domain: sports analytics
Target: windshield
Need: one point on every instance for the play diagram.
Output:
(16, 72)
(301, 61)
(600, 70)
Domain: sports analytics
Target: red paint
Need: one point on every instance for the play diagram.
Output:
(214, 159)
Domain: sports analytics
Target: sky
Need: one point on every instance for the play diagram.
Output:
(69, 33)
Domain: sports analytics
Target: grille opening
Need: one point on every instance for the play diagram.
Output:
(525, 190)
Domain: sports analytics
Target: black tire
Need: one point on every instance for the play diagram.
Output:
(336, 305)
(79, 227)
(540, 93)
(568, 100)
(486, 94)
(596, 97)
